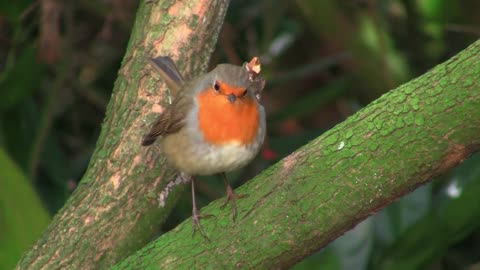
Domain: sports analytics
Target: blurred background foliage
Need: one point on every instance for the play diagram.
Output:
(323, 61)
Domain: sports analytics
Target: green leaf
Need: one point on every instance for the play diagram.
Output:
(22, 216)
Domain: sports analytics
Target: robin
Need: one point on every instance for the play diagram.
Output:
(214, 124)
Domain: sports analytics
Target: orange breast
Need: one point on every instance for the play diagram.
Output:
(222, 121)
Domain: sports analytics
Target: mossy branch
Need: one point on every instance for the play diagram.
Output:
(397, 143)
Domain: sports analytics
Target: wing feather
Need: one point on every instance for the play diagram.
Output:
(173, 117)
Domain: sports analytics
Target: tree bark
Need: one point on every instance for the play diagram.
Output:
(115, 209)
(299, 205)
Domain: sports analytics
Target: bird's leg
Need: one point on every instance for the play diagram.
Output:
(195, 214)
(231, 196)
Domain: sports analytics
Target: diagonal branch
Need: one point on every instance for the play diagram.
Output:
(399, 142)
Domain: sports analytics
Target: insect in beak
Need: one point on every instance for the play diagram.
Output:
(231, 98)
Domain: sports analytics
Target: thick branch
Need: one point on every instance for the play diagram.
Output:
(114, 211)
(397, 143)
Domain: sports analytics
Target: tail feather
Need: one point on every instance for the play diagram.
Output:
(165, 66)
(148, 140)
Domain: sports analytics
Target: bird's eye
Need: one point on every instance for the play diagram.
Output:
(216, 86)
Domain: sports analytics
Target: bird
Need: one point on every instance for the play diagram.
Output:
(214, 124)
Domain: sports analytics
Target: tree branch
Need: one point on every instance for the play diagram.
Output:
(299, 205)
(115, 211)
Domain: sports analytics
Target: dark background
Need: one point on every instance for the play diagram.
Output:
(323, 61)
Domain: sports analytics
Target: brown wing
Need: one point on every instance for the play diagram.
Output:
(173, 118)
(170, 121)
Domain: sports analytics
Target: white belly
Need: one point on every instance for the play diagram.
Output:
(196, 158)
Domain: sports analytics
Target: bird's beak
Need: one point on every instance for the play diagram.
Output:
(231, 98)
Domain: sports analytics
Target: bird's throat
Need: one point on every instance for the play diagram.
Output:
(223, 122)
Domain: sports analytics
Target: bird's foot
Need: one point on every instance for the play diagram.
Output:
(231, 197)
(196, 222)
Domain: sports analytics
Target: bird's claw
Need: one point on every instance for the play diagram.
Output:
(230, 197)
(196, 223)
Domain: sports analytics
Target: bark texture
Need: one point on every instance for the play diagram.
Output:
(397, 143)
(116, 210)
